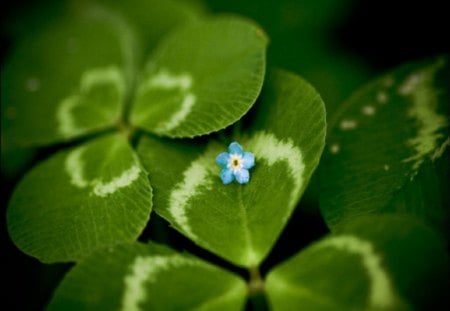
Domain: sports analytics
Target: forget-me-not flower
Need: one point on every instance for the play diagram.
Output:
(235, 164)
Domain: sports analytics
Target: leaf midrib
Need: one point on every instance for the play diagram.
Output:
(230, 293)
(246, 230)
(302, 291)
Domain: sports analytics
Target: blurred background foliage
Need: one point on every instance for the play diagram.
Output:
(336, 45)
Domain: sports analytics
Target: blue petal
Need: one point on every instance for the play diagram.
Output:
(248, 160)
(227, 176)
(242, 176)
(222, 159)
(235, 148)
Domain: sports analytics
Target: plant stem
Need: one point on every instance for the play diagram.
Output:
(131, 133)
(256, 283)
(257, 299)
(257, 302)
(128, 131)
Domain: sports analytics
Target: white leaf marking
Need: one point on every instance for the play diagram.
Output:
(67, 124)
(180, 115)
(335, 148)
(97, 76)
(168, 81)
(411, 82)
(194, 177)
(382, 97)
(125, 179)
(381, 291)
(348, 124)
(197, 177)
(145, 270)
(419, 87)
(267, 147)
(440, 151)
(74, 167)
(368, 110)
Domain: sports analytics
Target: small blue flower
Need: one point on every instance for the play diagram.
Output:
(235, 164)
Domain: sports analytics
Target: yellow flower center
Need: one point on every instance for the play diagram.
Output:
(235, 162)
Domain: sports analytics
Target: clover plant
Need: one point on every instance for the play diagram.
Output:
(182, 117)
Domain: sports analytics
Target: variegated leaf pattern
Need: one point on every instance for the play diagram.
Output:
(388, 148)
(88, 197)
(202, 78)
(373, 263)
(242, 222)
(148, 277)
(68, 80)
